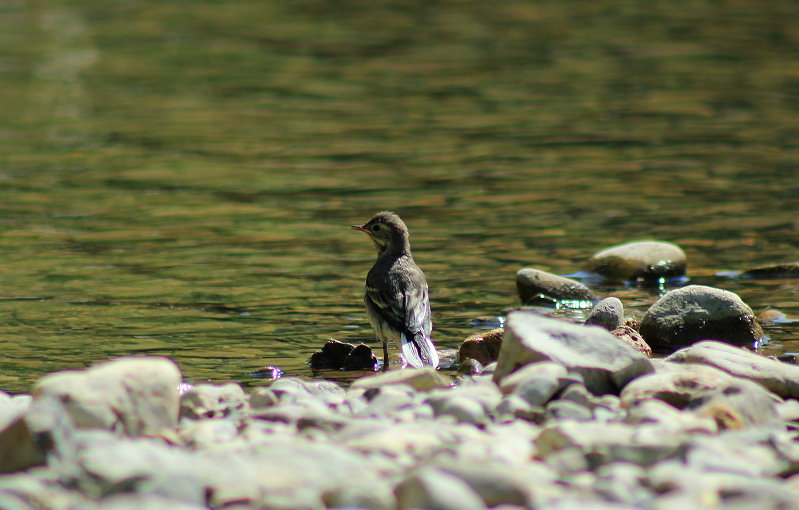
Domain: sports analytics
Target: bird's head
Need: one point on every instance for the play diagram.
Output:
(387, 231)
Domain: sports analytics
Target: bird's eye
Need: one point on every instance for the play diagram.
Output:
(375, 228)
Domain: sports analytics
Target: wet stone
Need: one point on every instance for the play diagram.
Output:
(605, 363)
(608, 313)
(644, 260)
(536, 287)
(684, 316)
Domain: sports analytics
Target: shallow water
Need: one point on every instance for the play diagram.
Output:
(177, 178)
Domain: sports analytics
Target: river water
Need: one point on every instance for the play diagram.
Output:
(177, 178)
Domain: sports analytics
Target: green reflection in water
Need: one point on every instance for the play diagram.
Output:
(177, 177)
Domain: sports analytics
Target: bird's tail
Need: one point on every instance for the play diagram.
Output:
(419, 350)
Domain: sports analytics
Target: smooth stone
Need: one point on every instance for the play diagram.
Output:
(515, 406)
(136, 501)
(603, 443)
(608, 313)
(679, 386)
(778, 270)
(532, 371)
(624, 482)
(684, 316)
(537, 287)
(632, 338)
(778, 377)
(492, 481)
(470, 403)
(420, 379)
(361, 358)
(646, 260)
(578, 394)
(732, 402)
(605, 363)
(656, 411)
(212, 401)
(567, 410)
(262, 397)
(483, 346)
(434, 489)
(134, 395)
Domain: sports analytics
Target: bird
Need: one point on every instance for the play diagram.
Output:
(396, 294)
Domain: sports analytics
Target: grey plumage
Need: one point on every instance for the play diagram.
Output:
(396, 297)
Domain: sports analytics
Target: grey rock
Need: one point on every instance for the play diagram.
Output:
(493, 482)
(578, 394)
(776, 376)
(708, 392)
(134, 395)
(567, 410)
(263, 397)
(213, 400)
(623, 482)
(647, 260)
(679, 386)
(514, 406)
(655, 411)
(435, 489)
(534, 372)
(469, 403)
(539, 287)
(603, 443)
(420, 379)
(605, 363)
(137, 501)
(608, 313)
(684, 316)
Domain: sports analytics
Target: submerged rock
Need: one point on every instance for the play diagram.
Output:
(779, 270)
(645, 260)
(336, 355)
(536, 287)
(482, 347)
(608, 313)
(605, 362)
(696, 312)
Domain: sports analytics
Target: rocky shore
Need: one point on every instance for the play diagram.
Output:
(569, 417)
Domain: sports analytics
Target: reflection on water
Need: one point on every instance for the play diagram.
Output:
(179, 181)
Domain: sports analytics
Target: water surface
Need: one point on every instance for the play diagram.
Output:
(176, 178)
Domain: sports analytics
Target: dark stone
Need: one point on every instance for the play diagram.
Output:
(684, 316)
(537, 287)
(470, 366)
(608, 313)
(331, 356)
(360, 358)
(783, 270)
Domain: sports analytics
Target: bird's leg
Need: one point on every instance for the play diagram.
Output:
(385, 356)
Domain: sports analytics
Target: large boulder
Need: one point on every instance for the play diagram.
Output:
(646, 260)
(134, 395)
(536, 287)
(684, 316)
(781, 378)
(605, 362)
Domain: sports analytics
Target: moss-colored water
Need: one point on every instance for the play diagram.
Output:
(177, 177)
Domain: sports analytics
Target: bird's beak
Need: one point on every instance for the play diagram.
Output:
(359, 227)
